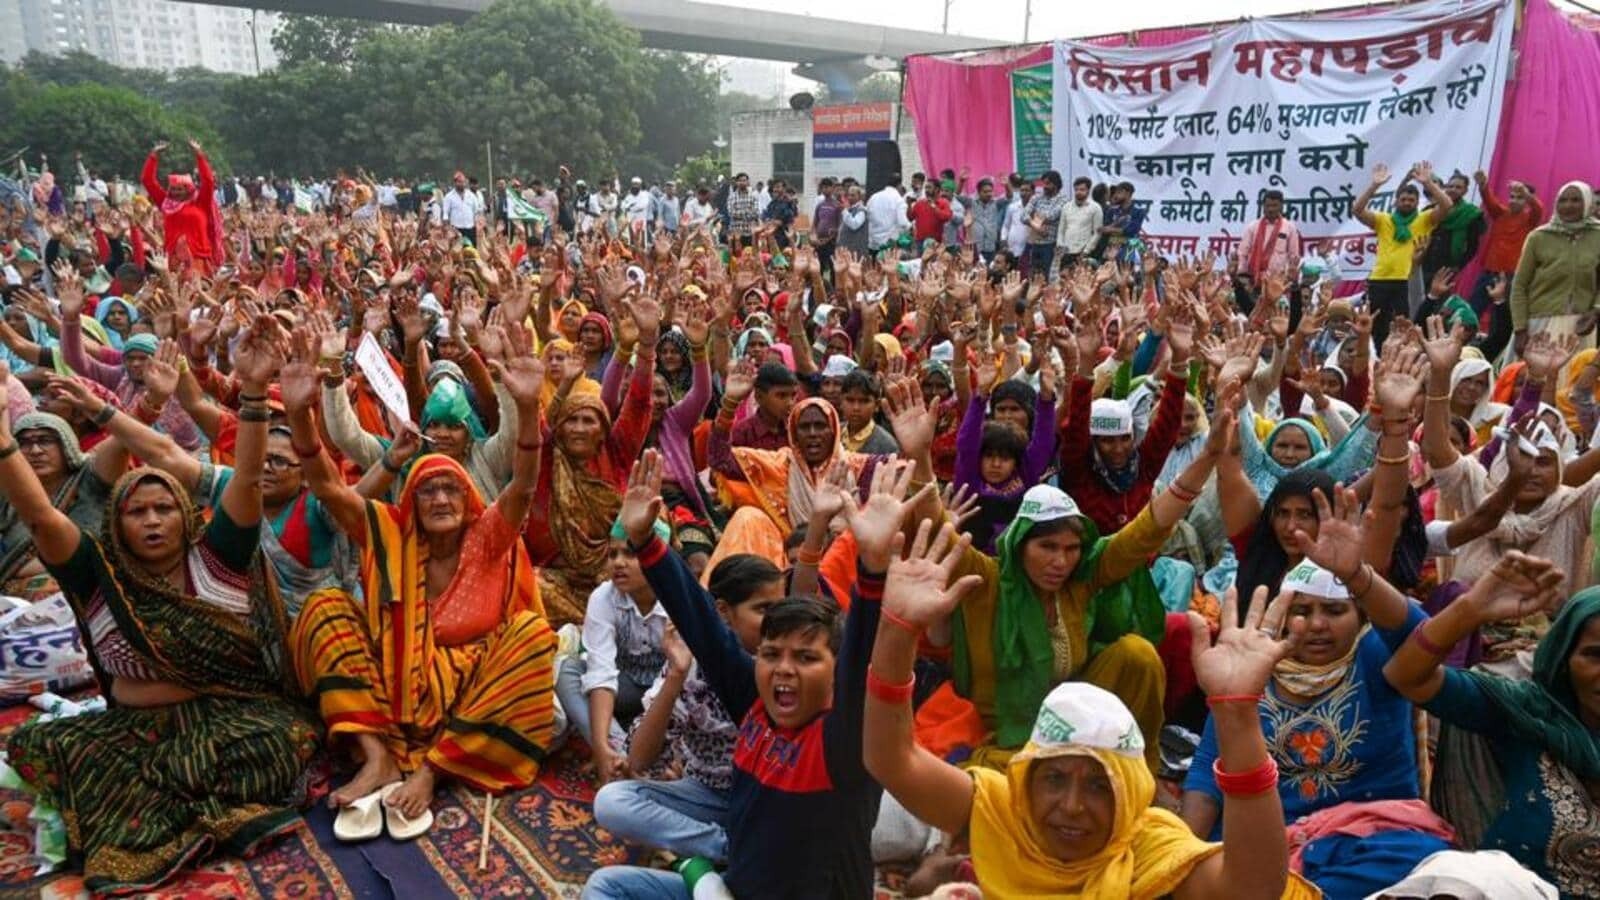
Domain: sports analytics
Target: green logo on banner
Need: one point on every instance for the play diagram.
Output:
(1032, 98)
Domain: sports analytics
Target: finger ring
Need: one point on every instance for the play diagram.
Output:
(1268, 632)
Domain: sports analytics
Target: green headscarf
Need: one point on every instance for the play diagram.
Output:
(1544, 711)
(1456, 223)
(1024, 657)
(448, 405)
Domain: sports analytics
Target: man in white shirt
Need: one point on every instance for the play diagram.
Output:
(389, 196)
(636, 205)
(461, 209)
(1015, 230)
(603, 208)
(886, 216)
(668, 208)
(1080, 225)
(763, 196)
(699, 210)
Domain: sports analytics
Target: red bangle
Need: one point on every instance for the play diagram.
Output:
(911, 627)
(807, 558)
(898, 693)
(1182, 493)
(1251, 699)
(1259, 780)
(1427, 645)
(313, 453)
(530, 448)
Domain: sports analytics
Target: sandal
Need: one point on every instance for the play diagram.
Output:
(401, 827)
(361, 820)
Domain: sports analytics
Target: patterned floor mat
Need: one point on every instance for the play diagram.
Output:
(545, 843)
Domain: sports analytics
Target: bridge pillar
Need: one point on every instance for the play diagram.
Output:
(840, 75)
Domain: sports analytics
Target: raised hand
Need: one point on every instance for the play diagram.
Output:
(1442, 345)
(679, 657)
(877, 521)
(740, 381)
(1546, 354)
(69, 292)
(910, 418)
(522, 373)
(641, 501)
(960, 502)
(73, 392)
(1517, 587)
(831, 495)
(1337, 546)
(1380, 174)
(161, 372)
(261, 353)
(297, 380)
(1400, 379)
(1244, 354)
(1241, 660)
(409, 314)
(918, 588)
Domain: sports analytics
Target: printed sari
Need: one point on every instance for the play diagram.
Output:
(462, 681)
(145, 791)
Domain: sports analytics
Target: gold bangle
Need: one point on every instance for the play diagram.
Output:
(1401, 460)
(1436, 397)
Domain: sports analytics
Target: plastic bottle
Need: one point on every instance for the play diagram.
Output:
(701, 878)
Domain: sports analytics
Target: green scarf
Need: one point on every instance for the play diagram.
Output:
(1402, 225)
(448, 405)
(1024, 658)
(1544, 711)
(1457, 222)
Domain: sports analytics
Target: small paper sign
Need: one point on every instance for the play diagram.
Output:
(372, 362)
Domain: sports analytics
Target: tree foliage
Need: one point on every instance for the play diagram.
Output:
(325, 40)
(112, 127)
(546, 82)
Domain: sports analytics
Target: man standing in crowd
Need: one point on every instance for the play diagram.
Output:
(699, 210)
(635, 206)
(1399, 234)
(1510, 223)
(985, 216)
(781, 209)
(929, 215)
(668, 208)
(825, 222)
(1270, 243)
(744, 208)
(1080, 224)
(1044, 221)
(1124, 222)
(1014, 227)
(886, 215)
(462, 208)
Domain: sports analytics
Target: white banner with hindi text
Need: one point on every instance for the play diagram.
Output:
(1202, 128)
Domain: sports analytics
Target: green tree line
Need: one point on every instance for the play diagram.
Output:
(545, 81)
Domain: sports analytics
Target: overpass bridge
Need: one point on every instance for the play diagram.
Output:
(833, 52)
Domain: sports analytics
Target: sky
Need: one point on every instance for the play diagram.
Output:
(1000, 22)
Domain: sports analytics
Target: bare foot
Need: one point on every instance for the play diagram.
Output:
(414, 796)
(378, 770)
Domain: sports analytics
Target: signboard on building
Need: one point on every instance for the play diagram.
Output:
(839, 136)
(1031, 96)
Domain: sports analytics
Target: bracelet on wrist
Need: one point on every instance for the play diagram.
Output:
(388, 466)
(806, 557)
(102, 418)
(887, 691)
(255, 414)
(1255, 782)
(9, 450)
(1217, 699)
(899, 622)
(312, 453)
(1421, 640)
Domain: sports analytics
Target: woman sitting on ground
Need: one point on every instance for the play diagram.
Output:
(450, 617)
(1536, 793)
(201, 749)
(1071, 814)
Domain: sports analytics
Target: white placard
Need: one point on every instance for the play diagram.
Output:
(1201, 128)
(374, 364)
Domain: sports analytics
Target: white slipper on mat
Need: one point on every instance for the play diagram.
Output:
(362, 820)
(402, 828)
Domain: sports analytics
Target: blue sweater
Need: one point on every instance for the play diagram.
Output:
(802, 806)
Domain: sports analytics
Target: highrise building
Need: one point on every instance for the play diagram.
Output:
(147, 34)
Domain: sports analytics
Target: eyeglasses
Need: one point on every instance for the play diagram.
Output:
(38, 442)
(280, 463)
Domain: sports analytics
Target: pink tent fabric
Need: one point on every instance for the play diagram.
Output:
(962, 106)
(962, 109)
(1552, 109)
